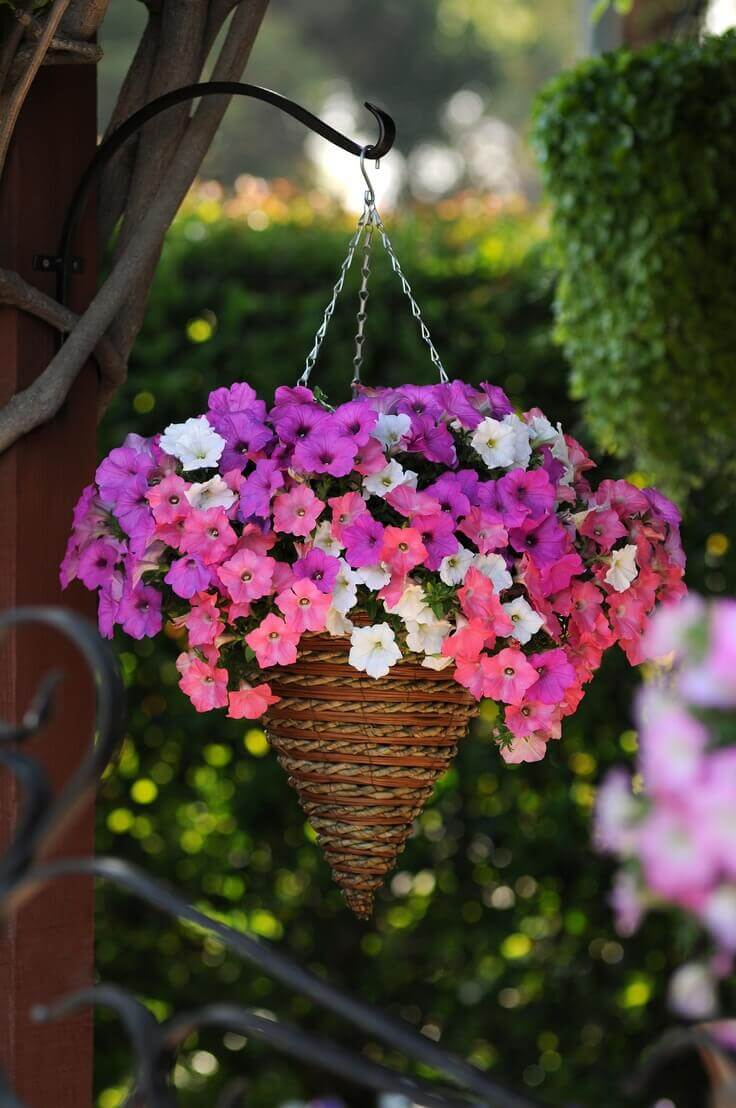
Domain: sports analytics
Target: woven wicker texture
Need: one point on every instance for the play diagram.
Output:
(363, 754)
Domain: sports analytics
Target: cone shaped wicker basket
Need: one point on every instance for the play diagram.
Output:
(363, 754)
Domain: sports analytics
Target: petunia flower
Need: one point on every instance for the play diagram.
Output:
(188, 575)
(603, 526)
(369, 458)
(447, 492)
(139, 612)
(363, 541)
(319, 568)
(247, 576)
(195, 443)
(250, 701)
(108, 604)
(296, 423)
(409, 503)
(204, 684)
(453, 567)
(555, 674)
(259, 487)
(355, 420)
(525, 622)
(325, 450)
(297, 511)
(132, 509)
(245, 437)
(495, 442)
(402, 549)
(484, 529)
(238, 397)
(326, 541)
(209, 535)
(507, 675)
(529, 717)
(168, 499)
(304, 606)
(427, 635)
(119, 468)
(544, 539)
(97, 562)
(622, 569)
(210, 494)
(432, 440)
(467, 643)
(387, 479)
(525, 493)
(493, 566)
(273, 642)
(345, 510)
(203, 621)
(530, 748)
(391, 431)
(374, 577)
(418, 400)
(344, 588)
(373, 650)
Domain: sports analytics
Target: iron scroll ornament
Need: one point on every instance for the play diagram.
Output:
(24, 872)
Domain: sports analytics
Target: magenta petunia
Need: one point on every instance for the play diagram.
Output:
(484, 529)
(258, 488)
(168, 499)
(139, 612)
(355, 421)
(524, 493)
(555, 674)
(326, 451)
(363, 541)
(437, 532)
(498, 402)
(417, 401)
(432, 440)
(319, 568)
(132, 509)
(448, 493)
(544, 539)
(296, 423)
(604, 527)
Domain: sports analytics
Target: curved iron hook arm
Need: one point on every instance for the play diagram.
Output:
(106, 149)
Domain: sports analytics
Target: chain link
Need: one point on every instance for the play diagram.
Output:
(329, 310)
(363, 294)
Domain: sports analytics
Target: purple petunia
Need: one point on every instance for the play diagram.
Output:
(119, 469)
(418, 400)
(523, 493)
(432, 440)
(544, 539)
(188, 576)
(132, 510)
(324, 450)
(438, 535)
(447, 491)
(244, 437)
(296, 423)
(139, 611)
(363, 541)
(258, 488)
(97, 562)
(355, 420)
(319, 568)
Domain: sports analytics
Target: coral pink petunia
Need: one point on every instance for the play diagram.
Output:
(479, 600)
(204, 620)
(345, 510)
(485, 529)
(250, 701)
(168, 499)
(507, 675)
(402, 549)
(467, 644)
(273, 643)
(603, 526)
(304, 606)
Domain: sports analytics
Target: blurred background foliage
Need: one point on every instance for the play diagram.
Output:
(494, 933)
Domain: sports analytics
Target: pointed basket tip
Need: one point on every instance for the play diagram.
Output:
(363, 755)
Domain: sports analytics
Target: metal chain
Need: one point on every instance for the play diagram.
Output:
(363, 294)
(329, 310)
(415, 309)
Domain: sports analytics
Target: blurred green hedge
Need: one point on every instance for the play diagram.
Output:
(638, 154)
(494, 932)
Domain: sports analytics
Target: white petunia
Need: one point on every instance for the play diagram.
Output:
(495, 442)
(526, 622)
(411, 605)
(211, 494)
(427, 636)
(522, 445)
(387, 479)
(373, 577)
(623, 569)
(195, 443)
(561, 453)
(436, 661)
(454, 567)
(541, 431)
(326, 541)
(373, 650)
(337, 623)
(391, 429)
(493, 566)
(345, 589)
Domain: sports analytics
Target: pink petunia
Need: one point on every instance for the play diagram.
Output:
(204, 684)
(369, 458)
(467, 643)
(470, 675)
(304, 606)
(273, 642)
(484, 529)
(168, 499)
(188, 575)
(253, 538)
(250, 701)
(627, 615)
(247, 576)
(531, 748)
(528, 717)
(408, 502)
(209, 535)
(507, 675)
(603, 526)
(203, 621)
(363, 541)
(555, 674)
(402, 549)
(296, 512)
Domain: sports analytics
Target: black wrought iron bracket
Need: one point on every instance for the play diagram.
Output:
(64, 265)
(24, 872)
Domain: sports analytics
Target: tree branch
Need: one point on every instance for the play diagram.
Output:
(144, 244)
(17, 96)
(41, 400)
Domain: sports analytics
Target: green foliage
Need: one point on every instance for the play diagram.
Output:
(638, 152)
(495, 930)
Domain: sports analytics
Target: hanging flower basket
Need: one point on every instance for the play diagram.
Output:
(360, 577)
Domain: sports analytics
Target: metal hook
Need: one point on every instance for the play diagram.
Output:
(370, 196)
